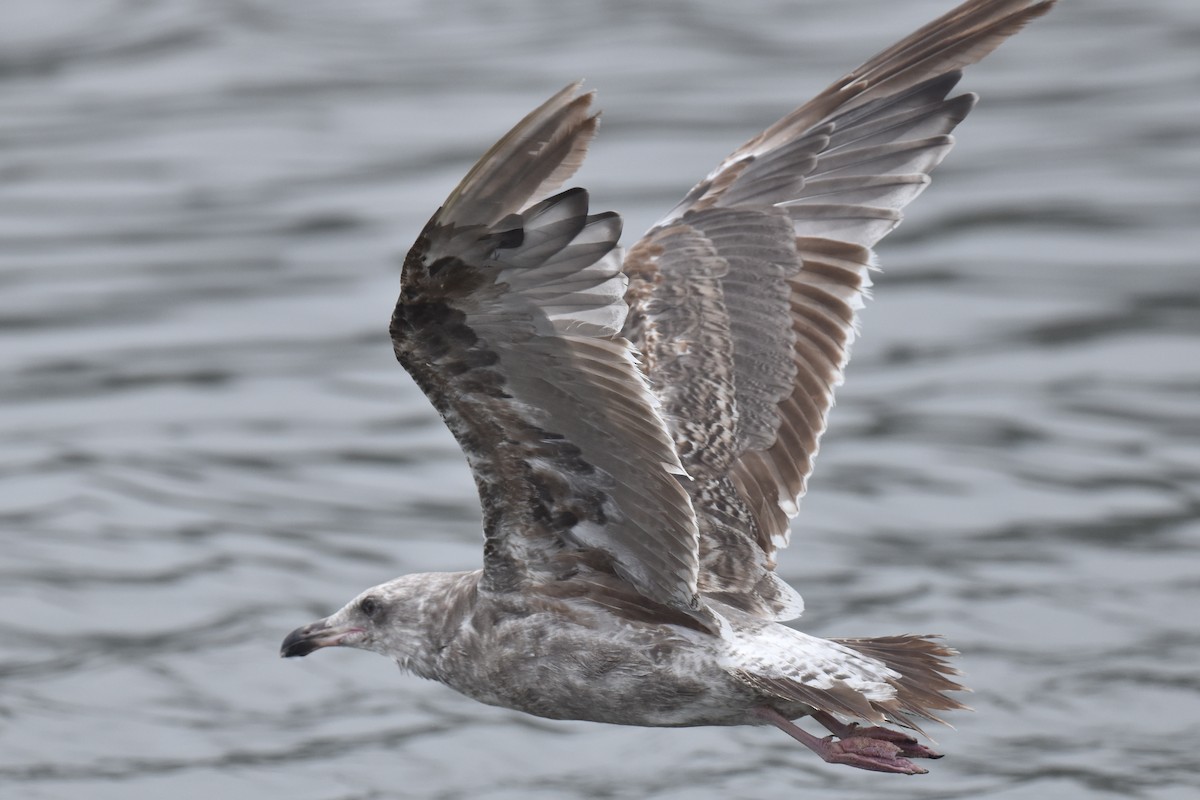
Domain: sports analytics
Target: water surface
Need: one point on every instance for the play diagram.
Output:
(205, 441)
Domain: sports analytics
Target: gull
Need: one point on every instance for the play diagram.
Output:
(641, 428)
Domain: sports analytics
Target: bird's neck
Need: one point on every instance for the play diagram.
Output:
(443, 607)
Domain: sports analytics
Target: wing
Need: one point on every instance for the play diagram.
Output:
(743, 299)
(510, 310)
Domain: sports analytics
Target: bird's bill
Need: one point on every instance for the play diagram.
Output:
(314, 636)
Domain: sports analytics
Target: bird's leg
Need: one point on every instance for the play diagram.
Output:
(908, 745)
(856, 751)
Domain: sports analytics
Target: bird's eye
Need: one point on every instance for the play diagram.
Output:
(369, 606)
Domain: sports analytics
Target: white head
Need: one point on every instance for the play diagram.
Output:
(404, 619)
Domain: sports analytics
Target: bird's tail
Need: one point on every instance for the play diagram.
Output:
(897, 679)
(922, 662)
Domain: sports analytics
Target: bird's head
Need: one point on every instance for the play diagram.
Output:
(383, 619)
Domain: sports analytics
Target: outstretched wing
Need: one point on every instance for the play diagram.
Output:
(744, 298)
(509, 319)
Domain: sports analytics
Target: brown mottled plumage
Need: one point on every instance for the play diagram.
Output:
(632, 509)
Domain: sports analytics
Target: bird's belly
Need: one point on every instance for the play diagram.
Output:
(636, 675)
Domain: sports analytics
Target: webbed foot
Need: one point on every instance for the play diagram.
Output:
(875, 749)
(866, 753)
(907, 743)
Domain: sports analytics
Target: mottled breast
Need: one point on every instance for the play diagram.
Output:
(573, 660)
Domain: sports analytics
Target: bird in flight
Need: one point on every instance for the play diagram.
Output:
(641, 429)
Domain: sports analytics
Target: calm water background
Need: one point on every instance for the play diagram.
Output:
(205, 441)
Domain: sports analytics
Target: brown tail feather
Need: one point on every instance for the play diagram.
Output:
(921, 662)
(920, 689)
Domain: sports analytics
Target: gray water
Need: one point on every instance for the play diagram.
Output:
(205, 441)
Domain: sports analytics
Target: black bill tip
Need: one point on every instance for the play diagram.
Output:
(303, 641)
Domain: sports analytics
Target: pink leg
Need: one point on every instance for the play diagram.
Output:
(908, 745)
(873, 754)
